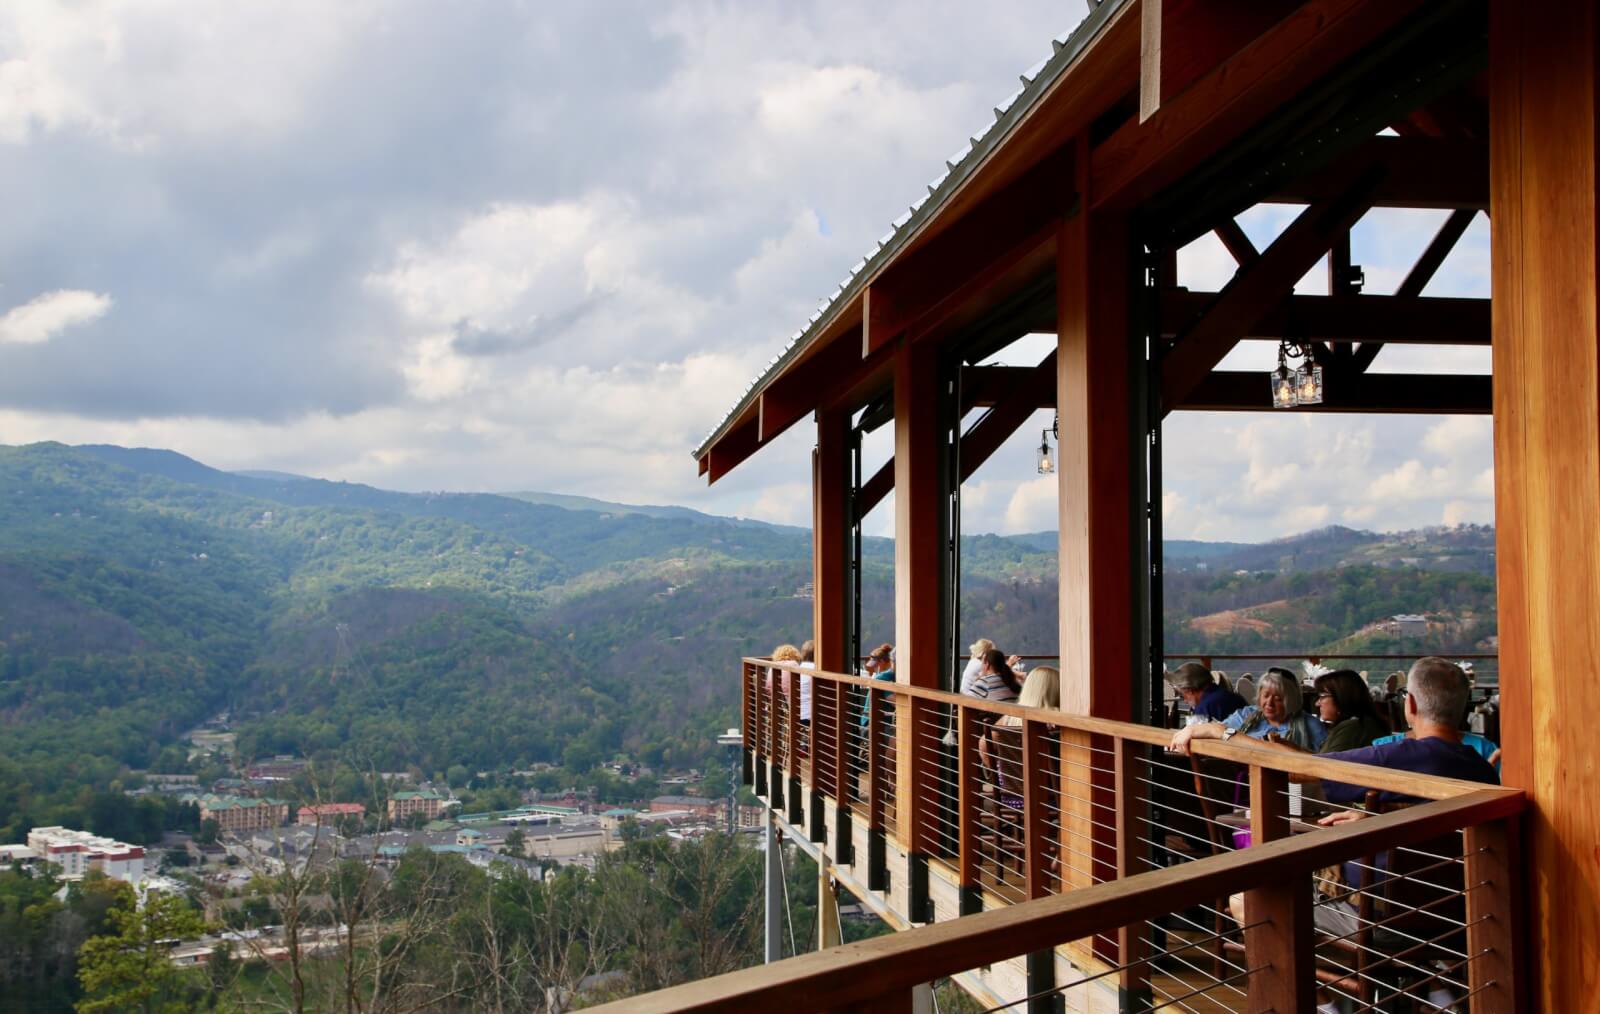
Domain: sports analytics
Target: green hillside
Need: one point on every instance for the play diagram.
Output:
(142, 592)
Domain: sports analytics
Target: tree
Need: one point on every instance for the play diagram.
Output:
(209, 829)
(517, 843)
(131, 968)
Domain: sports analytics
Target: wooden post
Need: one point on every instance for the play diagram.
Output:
(827, 908)
(1280, 948)
(969, 796)
(1099, 454)
(1494, 916)
(919, 581)
(830, 554)
(1133, 941)
(1033, 820)
(1544, 172)
(1269, 806)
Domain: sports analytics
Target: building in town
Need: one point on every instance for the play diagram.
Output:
(329, 813)
(75, 853)
(405, 803)
(239, 814)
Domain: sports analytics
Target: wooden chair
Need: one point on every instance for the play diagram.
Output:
(1002, 819)
(1408, 919)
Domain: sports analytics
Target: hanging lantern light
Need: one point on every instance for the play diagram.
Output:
(1047, 463)
(1308, 382)
(1285, 391)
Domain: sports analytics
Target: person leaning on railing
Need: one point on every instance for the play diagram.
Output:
(1344, 706)
(1205, 697)
(880, 666)
(1277, 711)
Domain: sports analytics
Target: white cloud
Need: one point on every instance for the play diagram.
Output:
(136, 74)
(512, 246)
(45, 316)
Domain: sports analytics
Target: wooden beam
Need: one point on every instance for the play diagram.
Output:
(1258, 286)
(876, 488)
(987, 386)
(1419, 172)
(980, 442)
(1381, 393)
(797, 393)
(1013, 392)
(1422, 272)
(1181, 40)
(1140, 159)
(1410, 320)
(936, 279)
(735, 446)
(1545, 258)
(1236, 242)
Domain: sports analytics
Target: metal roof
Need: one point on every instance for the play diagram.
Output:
(958, 168)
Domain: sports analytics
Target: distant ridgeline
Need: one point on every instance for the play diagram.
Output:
(142, 592)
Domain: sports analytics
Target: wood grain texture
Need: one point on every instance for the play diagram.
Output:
(881, 966)
(1098, 454)
(919, 535)
(1543, 176)
(1141, 158)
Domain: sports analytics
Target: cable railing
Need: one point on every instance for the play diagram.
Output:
(1025, 810)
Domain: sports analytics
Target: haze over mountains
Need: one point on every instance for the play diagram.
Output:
(142, 592)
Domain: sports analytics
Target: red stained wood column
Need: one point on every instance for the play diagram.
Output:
(1543, 209)
(830, 527)
(1099, 455)
(919, 537)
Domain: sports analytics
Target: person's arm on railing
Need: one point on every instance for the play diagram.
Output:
(1203, 730)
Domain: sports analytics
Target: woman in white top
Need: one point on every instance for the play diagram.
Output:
(974, 669)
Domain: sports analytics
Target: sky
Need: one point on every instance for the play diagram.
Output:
(501, 246)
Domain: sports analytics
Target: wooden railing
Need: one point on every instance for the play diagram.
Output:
(1085, 838)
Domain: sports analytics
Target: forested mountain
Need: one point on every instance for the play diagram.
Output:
(142, 592)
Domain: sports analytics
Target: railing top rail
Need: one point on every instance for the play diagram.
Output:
(1247, 752)
(841, 976)
(1268, 655)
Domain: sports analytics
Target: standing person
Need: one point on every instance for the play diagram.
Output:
(808, 660)
(974, 669)
(1205, 697)
(880, 666)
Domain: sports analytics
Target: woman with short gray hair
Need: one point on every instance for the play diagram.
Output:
(1277, 716)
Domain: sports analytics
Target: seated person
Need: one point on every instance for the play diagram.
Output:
(1042, 689)
(1204, 695)
(1344, 703)
(1276, 713)
(1487, 748)
(1434, 706)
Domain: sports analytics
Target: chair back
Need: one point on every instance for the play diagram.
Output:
(1006, 742)
(1246, 688)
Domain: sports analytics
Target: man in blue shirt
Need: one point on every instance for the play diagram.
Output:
(1435, 703)
(1203, 694)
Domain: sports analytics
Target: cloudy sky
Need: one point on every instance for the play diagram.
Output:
(501, 246)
